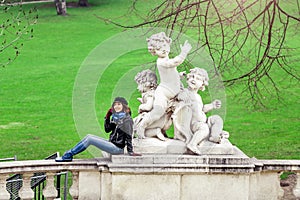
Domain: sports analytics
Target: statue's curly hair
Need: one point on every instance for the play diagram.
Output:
(146, 77)
(159, 41)
(160, 37)
(200, 72)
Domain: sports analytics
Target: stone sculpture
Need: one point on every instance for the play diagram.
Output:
(169, 86)
(147, 83)
(202, 128)
(168, 102)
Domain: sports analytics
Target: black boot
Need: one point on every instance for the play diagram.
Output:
(68, 155)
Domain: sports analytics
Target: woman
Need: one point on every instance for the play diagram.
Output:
(121, 127)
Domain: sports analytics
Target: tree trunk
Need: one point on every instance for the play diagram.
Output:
(83, 3)
(61, 7)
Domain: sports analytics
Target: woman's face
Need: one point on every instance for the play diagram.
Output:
(118, 107)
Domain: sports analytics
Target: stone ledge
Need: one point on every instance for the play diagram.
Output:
(156, 163)
(51, 165)
(180, 159)
(171, 163)
(179, 168)
(280, 165)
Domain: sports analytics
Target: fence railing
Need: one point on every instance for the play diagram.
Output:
(102, 177)
(38, 180)
(40, 175)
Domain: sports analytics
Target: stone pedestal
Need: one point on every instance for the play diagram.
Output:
(181, 176)
(183, 163)
(171, 146)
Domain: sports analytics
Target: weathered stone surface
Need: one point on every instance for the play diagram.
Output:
(171, 146)
(151, 145)
(215, 187)
(264, 185)
(167, 176)
(210, 148)
(89, 185)
(146, 187)
(238, 159)
(182, 163)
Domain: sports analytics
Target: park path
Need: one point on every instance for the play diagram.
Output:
(27, 2)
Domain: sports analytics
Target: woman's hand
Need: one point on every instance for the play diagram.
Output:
(134, 154)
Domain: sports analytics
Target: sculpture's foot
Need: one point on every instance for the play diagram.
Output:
(193, 148)
(215, 139)
(189, 152)
(140, 132)
(161, 136)
(225, 135)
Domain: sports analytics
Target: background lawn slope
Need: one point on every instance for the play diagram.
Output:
(36, 116)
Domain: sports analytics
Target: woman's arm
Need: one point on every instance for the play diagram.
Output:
(108, 126)
(128, 129)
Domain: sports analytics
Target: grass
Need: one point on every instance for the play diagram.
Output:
(36, 91)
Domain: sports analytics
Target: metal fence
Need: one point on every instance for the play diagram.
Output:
(38, 183)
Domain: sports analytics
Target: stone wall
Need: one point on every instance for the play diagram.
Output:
(159, 176)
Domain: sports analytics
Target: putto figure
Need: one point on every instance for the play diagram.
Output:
(147, 83)
(159, 45)
(202, 128)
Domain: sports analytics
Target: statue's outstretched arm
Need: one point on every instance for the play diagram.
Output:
(185, 49)
(216, 104)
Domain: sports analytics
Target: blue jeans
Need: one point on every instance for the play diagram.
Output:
(98, 142)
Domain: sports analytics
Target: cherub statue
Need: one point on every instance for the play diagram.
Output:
(202, 128)
(159, 45)
(147, 83)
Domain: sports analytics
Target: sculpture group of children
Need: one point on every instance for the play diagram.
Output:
(170, 103)
(161, 105)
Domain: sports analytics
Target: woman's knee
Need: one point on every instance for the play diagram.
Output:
(117, 152)
(88, 138)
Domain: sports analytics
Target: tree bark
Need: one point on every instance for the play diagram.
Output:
(61, 7)
(83, 3)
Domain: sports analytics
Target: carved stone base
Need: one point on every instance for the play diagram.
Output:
(210, 148)
(156, 146)
(171, 146)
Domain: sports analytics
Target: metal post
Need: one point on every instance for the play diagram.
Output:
(66, 186)
(58, 184)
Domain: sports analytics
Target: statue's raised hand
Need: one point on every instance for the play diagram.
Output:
(185, 48)
(216, 104)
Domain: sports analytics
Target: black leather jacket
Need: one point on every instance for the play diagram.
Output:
(121, 132)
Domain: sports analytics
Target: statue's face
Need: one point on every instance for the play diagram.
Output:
(142, 88)
(162, 53)
(196, 82)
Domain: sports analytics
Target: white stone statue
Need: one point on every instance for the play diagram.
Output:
(189, 101)
(147, 83)
(168, 102)
(169, 86)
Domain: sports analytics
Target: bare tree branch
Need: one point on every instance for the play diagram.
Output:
(15, 27)
(246, 40)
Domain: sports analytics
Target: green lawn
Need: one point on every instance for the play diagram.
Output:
(36, 117)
